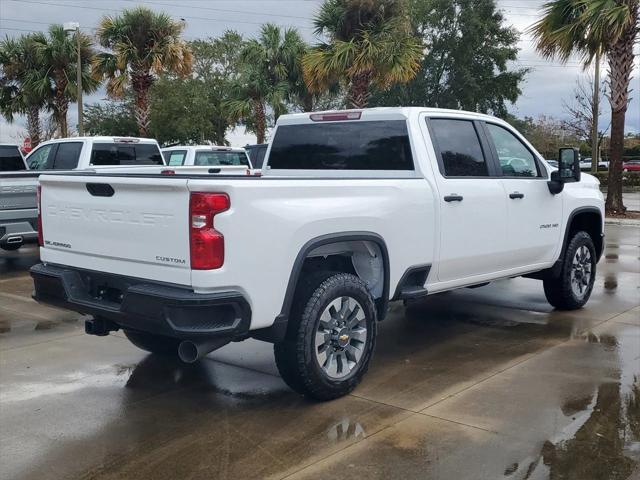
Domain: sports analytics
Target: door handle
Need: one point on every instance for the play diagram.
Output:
(516, 195)
(453, 198)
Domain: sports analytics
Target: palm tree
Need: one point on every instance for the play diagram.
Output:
(58, 54)
(19, 67)
(589, 28)
(268, 68)
(369, 44)
(142, 44)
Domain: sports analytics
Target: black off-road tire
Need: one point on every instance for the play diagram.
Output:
(158, 344)
(558, 289)
(296, 357)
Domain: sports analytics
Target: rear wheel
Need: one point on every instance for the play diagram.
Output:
(572, 288)
(331, 338)
(157, 344)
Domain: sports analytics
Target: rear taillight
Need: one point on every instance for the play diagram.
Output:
(207, 244)
(39, 201)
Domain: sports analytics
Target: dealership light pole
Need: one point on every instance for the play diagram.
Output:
(595, 147)
(75, 27)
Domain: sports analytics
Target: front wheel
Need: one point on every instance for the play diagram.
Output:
(331, 340)
(572, 288)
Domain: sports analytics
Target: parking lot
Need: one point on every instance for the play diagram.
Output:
(480, 383)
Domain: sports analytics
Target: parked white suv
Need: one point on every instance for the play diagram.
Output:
(228, 160)
(354, 209)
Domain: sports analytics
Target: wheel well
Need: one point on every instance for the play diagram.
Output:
(590, 222)
(362, 258)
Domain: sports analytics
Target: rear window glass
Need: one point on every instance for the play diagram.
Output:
(118, 154)
(214, 158)
(10, 159)
(374, 145)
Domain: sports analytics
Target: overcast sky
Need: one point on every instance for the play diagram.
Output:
(544, 89)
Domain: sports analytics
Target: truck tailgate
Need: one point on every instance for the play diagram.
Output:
(136, 227)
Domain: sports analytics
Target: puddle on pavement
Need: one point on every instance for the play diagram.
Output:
(602, 437)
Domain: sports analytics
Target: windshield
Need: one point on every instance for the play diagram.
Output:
(221, 158)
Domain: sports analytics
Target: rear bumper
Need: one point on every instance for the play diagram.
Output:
(143, 305)
(18, 231)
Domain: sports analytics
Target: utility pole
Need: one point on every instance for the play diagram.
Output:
(71, 27)
(595, 151)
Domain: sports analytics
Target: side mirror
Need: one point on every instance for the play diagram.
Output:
(569, 165)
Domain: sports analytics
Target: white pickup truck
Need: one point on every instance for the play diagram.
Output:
(18, 212)
(355, 209)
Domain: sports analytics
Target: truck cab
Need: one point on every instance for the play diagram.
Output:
(77, 153)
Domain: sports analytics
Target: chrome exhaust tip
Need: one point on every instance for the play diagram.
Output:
(190, 351)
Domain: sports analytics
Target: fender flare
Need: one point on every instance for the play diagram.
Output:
(555, 270)
(277, 331)
(567, 228)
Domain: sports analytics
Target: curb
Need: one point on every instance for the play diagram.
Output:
(630, 222)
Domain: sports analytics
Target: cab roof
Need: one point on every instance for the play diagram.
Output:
(377, 113)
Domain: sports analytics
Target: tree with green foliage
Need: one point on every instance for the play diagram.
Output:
(142, 44)
(262, 87)
(370, 44)
(201, 98)
(466, 65)
(58, 52)
(591, 28)
(545, 133)
(19, 66)
(111, 119)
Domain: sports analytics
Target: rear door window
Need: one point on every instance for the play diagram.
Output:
(41, 158)
(117, 154)
(361, 145)
(458, 146)
(10, 159)
(67, 155)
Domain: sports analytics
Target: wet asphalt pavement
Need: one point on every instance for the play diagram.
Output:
(488, 383)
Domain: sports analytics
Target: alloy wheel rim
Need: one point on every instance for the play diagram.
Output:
(341, 337)
(581, 272)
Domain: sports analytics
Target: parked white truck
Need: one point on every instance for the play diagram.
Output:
(355, 209)
(18, 212)
(227, 159)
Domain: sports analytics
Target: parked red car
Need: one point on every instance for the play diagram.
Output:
(631, 166)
